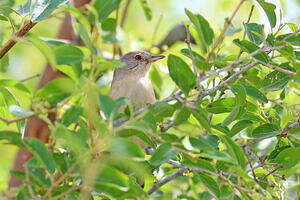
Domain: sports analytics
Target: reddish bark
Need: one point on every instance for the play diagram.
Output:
(36, 127)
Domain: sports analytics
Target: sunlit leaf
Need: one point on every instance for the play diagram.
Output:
(181, 73)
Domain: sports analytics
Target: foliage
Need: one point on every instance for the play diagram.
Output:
(206, 137)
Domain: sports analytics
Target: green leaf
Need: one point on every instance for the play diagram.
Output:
(4, 63)
(181, 116)
(80, 17)
(68, 54)
(67, 70)
(269, 9)
(288, 158)
(181, 74)
(12, 137)
(239, 126)
(105, 7)
(250, 47)
(254, 32)
(231, 117)
(200, 164)
(255, 93)
(265, 131)
(223, 105)
(205, 32)
(138, 133)
(210, 184)
(10, 83)
(41, 153)
(71, 115)
(161, 110)
(24, 9)
(240, 92)
(109, 25)
(44, 49)
(292, 26)
(147, 9)
(199, 143)
(201, 116)
(126, 148)
(73, 141)
(19, 111)
(56, 90)
(287, 116)
(84, 35)
(234, 150)
(277, 80)
(41, 9)
(162, 154)
(112, 182)
(9, 98)
(108, 106)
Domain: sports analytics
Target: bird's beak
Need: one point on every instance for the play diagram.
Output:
(155, 58)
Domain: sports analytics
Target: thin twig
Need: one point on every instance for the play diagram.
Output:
(165, 180)
(291, 35)
(124, 15)
(221, 36)
(288, 72)
(291, 126)
(30, 77)
(236, 63)
(271, 172)
(188, 42)
(156, 29)
(12, 41)
(61, 179)
(247, 150)
(245, 32)
(27, 181)
(9, 121)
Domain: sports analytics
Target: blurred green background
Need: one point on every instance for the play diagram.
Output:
(26, 60)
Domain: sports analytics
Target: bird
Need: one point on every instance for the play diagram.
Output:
(132, 80)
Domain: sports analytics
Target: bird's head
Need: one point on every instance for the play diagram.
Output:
(137, 62)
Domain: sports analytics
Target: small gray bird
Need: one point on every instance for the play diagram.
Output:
(132, 80)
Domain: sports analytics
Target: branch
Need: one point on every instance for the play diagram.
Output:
(30, 77)
(221, 36)
(188, 42)
(247, 152)
(291, 126)
(165, 180)
(244, 36)
(61, 179)
(236, 63)
(124, 14)
(291, 35)
(7, 121)
(12, 41)
(288, 72)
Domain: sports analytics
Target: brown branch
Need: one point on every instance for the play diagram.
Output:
(20, 33)
(61, 179)
(221, 36)
(291, 126)
(244, 36)
(271, 172)
(9, 121)
(165, 180)
(247, 150)
(288, 72)
(291, 35)
(124, 14)
(188, 42)
(30, 77)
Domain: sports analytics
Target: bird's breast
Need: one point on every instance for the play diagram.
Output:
(138, 90)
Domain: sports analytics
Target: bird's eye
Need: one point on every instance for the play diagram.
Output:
(138, 57)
